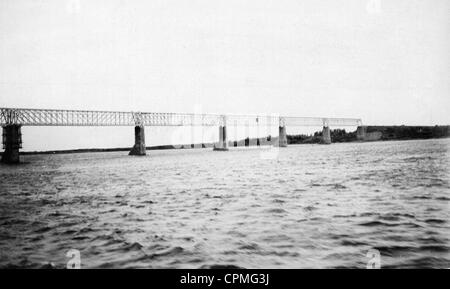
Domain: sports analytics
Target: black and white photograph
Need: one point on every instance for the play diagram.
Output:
(225, 134)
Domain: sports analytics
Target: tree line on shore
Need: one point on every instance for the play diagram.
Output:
(337, 135)
(386, 133)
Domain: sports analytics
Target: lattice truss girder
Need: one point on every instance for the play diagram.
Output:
(51, 117)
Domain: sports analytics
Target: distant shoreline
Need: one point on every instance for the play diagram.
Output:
(99, 150)
(376, 133)
(384, 133)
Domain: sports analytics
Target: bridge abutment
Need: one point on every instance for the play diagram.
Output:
(361, 133)
(222, 145)
(12, 142)
(326, 135)
(139, 142)
(282, 137)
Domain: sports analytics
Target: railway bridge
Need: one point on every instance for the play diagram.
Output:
(12, 119)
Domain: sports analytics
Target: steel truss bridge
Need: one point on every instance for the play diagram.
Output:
(55, 117)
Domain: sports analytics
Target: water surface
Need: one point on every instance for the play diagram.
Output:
(312, 206)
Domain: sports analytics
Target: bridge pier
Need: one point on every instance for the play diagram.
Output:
(139, 142)
(326, 136)
(222, 145)
(361, 133)
(12, 141)
(282, 137)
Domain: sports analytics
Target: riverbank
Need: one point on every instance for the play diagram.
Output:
(95, 150)
(373, 133)
(376, 133)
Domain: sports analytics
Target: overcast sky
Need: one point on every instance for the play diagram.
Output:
(386, 62)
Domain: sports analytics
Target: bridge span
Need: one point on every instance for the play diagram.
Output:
(12, 119)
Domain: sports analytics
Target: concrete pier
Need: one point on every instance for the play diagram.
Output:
(12, 142)
(222, 145)
(282, 136)
(326, 136)
(139, 142)
(361, 133)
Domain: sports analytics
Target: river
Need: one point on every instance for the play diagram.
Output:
(304, 206)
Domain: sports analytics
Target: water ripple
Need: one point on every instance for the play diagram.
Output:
(314, 207)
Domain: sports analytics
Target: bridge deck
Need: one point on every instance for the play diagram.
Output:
(53, 117)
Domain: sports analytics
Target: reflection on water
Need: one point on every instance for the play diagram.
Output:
(313, 206)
